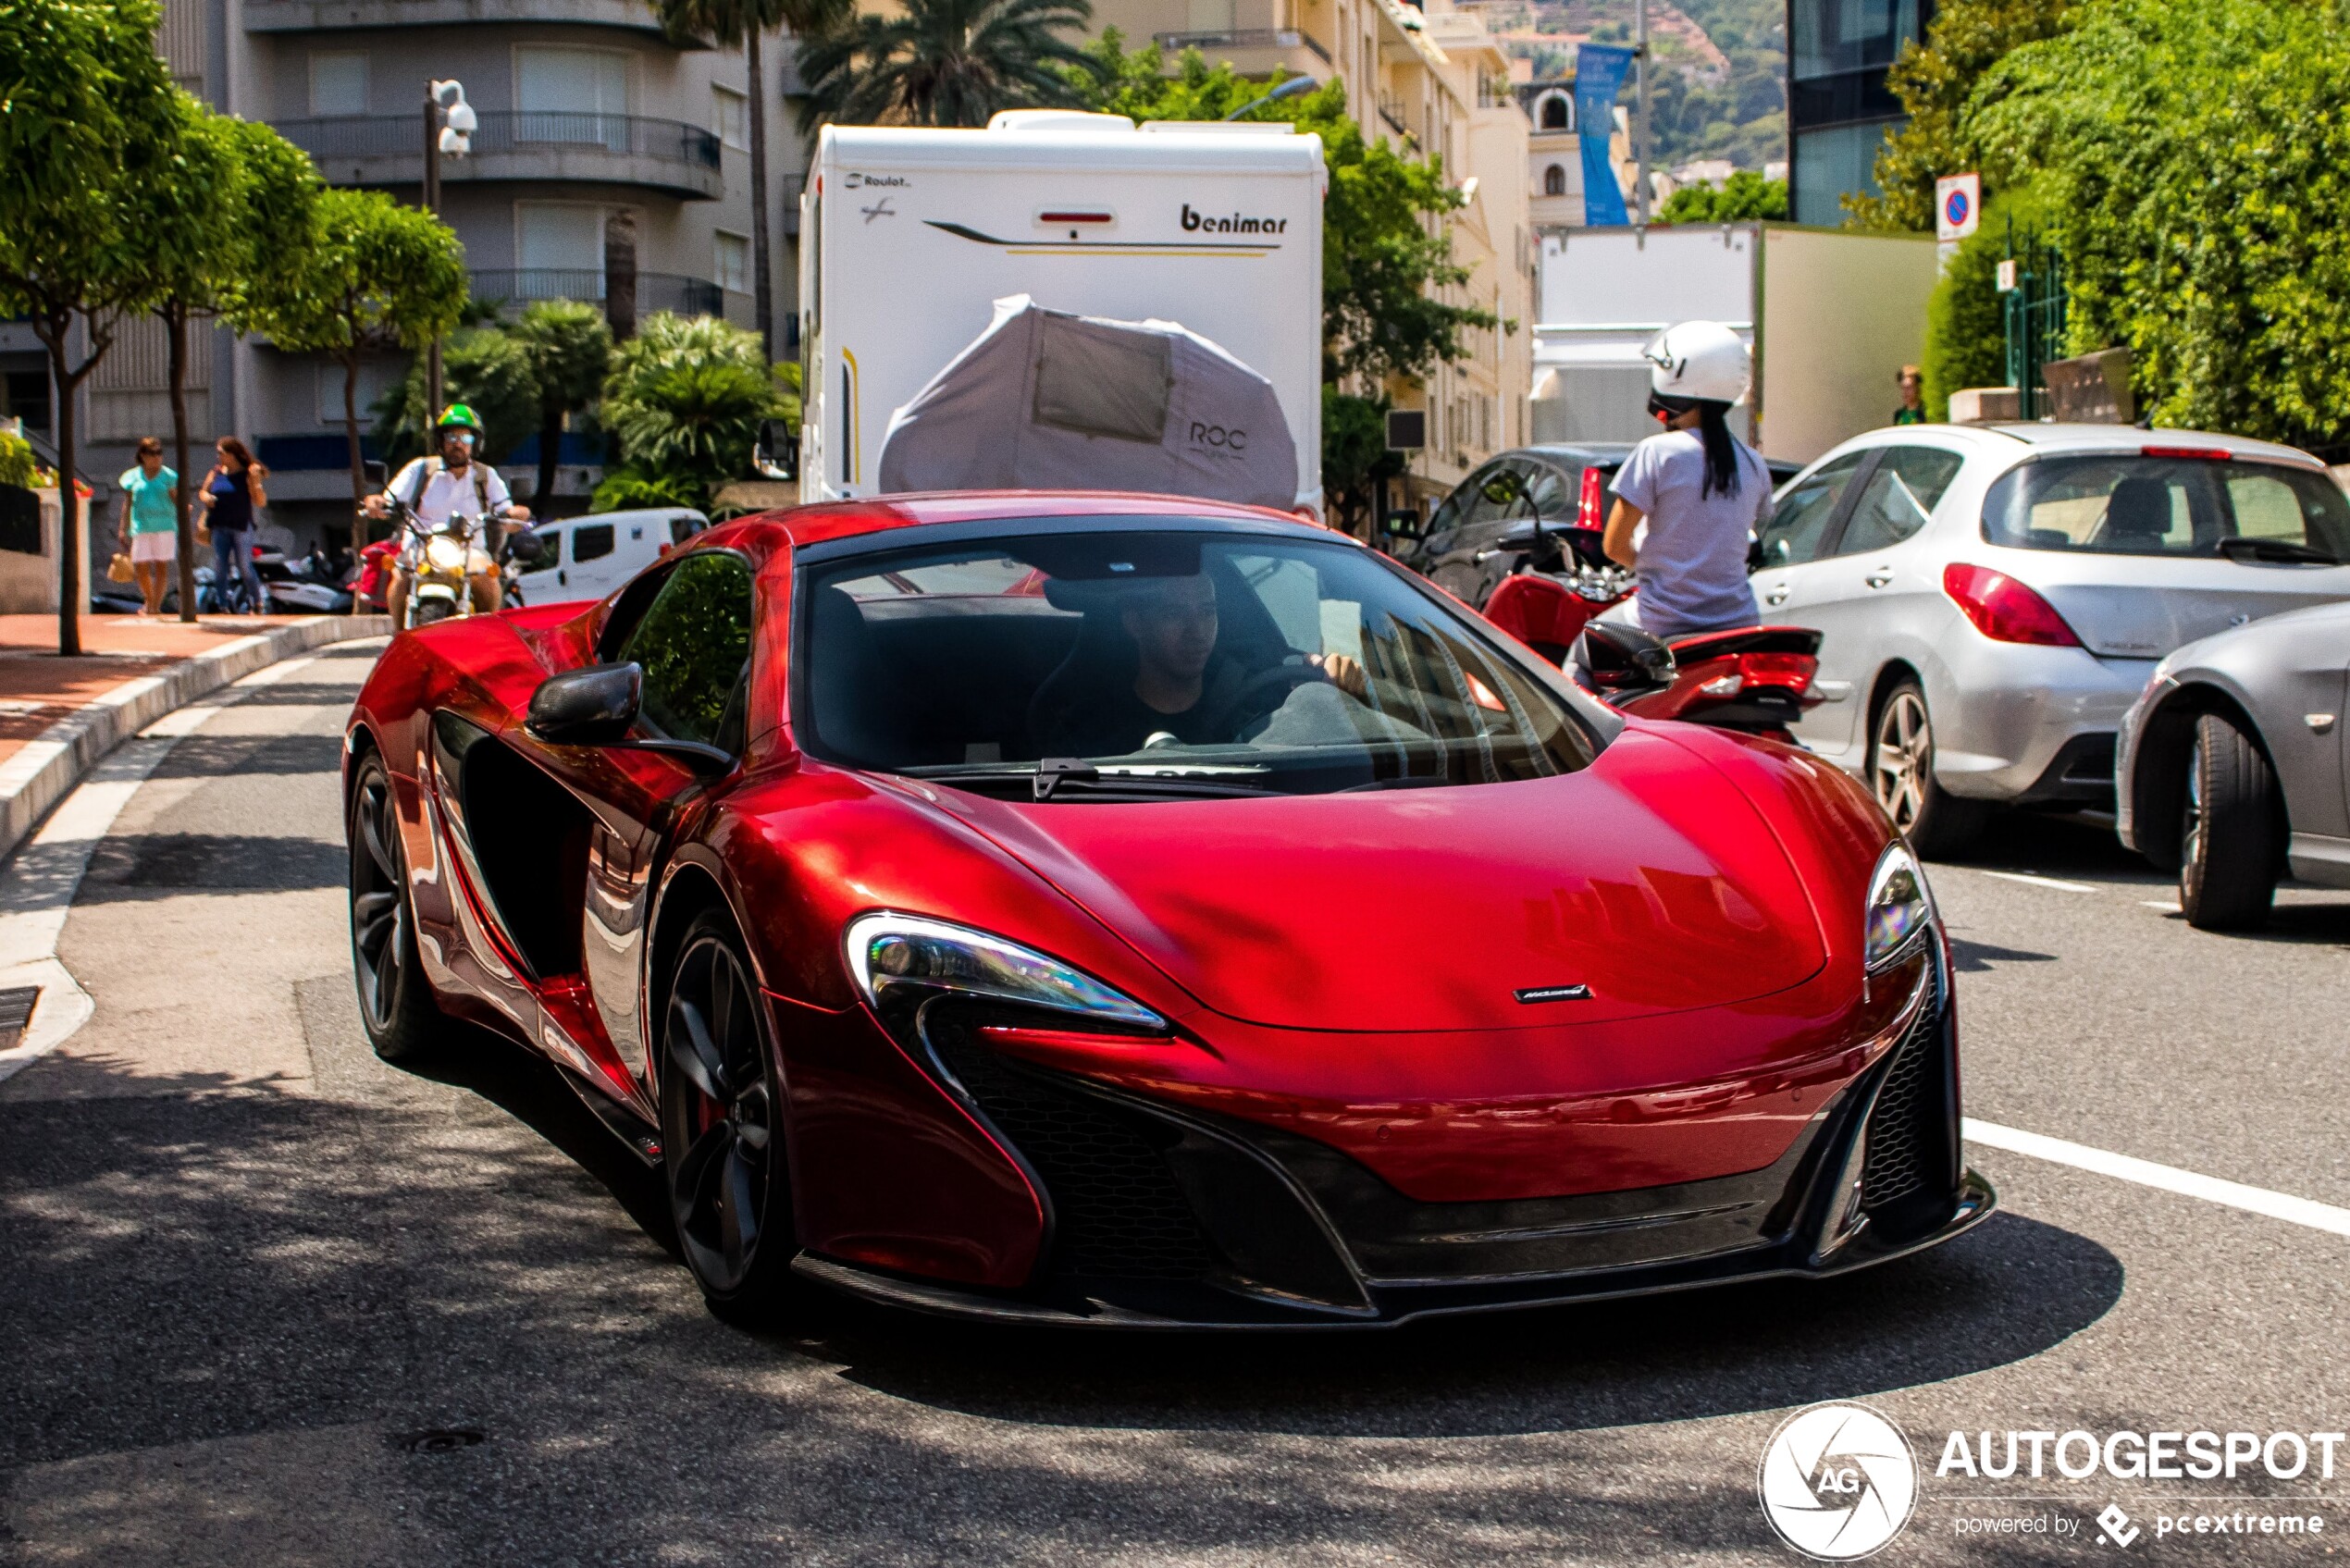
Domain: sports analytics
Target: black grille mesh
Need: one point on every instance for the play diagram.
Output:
(1905, 1130)
(1118, 1213)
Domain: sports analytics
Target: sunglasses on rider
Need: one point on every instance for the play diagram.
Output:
(463, 437)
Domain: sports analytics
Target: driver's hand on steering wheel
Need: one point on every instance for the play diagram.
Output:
(1341, 671)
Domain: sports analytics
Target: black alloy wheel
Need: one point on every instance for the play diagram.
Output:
(1900, 774)
(396, 1007)
(2229, 836)
(721, 1134)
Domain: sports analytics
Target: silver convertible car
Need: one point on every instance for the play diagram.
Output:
(1994, 597)
(2231, 771)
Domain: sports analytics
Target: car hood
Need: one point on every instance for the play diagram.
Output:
(1647, 878)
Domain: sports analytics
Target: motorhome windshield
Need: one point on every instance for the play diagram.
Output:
(1134, 665)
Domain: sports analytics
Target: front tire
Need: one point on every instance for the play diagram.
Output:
(722, 1129)
(1900, 770)
(404, 1025)
(2228, 835)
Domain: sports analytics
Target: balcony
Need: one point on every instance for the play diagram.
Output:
(333, 15)
(534, 145)
(1254, 51)
(511, 289)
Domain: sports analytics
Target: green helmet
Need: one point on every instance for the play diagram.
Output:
(457, 416)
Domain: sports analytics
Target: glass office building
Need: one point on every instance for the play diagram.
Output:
(1839, 108)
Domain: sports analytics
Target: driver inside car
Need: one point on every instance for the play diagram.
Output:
(1183, 689)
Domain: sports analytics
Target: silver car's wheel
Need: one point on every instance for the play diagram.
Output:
(1900, 774)
(2230, 829)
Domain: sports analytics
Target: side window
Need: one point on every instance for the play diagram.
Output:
(590, 541)
(694, 641)
(1797, 526)
(682, 526)
(1899, 497)
(551, 544)
(1554, 496)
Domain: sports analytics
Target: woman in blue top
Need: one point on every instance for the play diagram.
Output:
(149, 528)
(231, 492)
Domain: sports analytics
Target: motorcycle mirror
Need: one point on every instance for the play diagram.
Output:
(1620, 658)
(1402, 525)
(1503, 487)
(525, 546)
(379, 472)
(595, 706)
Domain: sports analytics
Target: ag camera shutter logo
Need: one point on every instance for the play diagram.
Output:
(1838, 1482)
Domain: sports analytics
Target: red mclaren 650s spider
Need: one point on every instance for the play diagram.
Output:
(1123, 910)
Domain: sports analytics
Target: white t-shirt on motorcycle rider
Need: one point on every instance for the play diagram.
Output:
(442, 495)
(1691, 548)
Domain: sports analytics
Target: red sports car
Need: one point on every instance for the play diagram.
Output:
(1117, 910)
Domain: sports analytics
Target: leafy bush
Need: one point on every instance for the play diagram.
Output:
(16, 460)
(685, 400)
(1746, 195)
(482, 366)
(1965, 319)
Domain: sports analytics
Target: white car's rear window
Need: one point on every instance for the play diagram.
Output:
(2138, 504)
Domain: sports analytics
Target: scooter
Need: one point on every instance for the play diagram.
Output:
(1756, 679)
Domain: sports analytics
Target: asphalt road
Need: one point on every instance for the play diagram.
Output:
(264, 1301)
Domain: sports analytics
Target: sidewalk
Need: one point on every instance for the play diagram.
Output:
(37, 687)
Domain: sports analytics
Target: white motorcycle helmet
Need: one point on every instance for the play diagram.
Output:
(1699, 361)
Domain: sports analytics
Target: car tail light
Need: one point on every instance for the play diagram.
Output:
(2003, 608)
(2208, 455)
(1587, 509)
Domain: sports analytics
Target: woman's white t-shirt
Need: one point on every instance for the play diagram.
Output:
(1692, 550)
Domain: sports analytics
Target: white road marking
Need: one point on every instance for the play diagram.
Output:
(2026, 878)
(2168, 906)
(2170, 1178)
(37, 893)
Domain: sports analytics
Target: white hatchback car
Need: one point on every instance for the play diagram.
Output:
(588, 557)
(1992, 598)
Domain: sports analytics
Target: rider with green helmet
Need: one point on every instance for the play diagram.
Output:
(453, 485)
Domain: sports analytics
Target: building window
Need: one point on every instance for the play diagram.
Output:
(572, 96)
(559, 248)
(1212, 15)
(1830, 163)
(731, 110)
(1555, 181)
(734, 262)
(338, 84)
(1554, 112)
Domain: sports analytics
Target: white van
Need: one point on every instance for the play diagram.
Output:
(588, 557)
(911, 236)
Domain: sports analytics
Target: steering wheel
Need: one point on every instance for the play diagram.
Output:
(1260, 693)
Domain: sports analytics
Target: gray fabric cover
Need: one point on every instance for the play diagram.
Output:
(1046, 400)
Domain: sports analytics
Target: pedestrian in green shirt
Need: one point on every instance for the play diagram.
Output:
(149, 525)
(1911, 380)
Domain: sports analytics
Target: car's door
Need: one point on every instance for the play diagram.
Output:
(1790, 584)
(1875, 586)
(593, 568)
(688, 627)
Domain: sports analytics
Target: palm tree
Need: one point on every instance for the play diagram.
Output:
(944, 62)
(743, 24)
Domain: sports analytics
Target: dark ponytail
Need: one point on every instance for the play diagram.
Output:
(1721, 449)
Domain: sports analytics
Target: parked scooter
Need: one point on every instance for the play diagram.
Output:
(1757, 679)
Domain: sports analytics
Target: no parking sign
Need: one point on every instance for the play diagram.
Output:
(1958, 205)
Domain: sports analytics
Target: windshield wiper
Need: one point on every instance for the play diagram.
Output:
(2240, 549)
(1405, 781)
(1056, 775)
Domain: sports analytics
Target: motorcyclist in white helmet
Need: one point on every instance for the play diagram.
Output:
(1700, 489)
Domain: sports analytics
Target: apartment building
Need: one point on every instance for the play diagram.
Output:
(1554, 149)
(1432, 80)
(1839, 110)
(597, 133)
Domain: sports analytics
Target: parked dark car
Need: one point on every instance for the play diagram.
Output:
(1459, 549)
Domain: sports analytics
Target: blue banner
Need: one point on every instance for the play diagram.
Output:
(1598, 76)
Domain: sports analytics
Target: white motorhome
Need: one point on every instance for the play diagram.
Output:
(909, 236)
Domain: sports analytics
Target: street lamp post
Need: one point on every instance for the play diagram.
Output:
(1641, 114)
(450, 123)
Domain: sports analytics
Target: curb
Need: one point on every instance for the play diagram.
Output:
(52, 763)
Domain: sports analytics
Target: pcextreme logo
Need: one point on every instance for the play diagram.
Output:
(1838, 1482)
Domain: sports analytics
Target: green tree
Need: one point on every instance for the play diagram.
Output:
(1966, 341)
(744, 24)
(685, 400)
(2194, 163)
(1386, 251)
(1745, 197)
(569, 349)
(1355, 456)
(370, 277)
(944, 62)
(236, 194)
(1937, 81)
(488, 369)
(87, 119)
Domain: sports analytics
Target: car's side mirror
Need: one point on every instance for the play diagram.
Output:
(1620, 658)
(1402, 525)
(595, 706)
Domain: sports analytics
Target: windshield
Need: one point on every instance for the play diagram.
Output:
(2131, 505)
(1152, 664)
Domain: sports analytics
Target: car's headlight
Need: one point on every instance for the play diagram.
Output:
(898, 959)
(445, 554)
(1900, 910)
